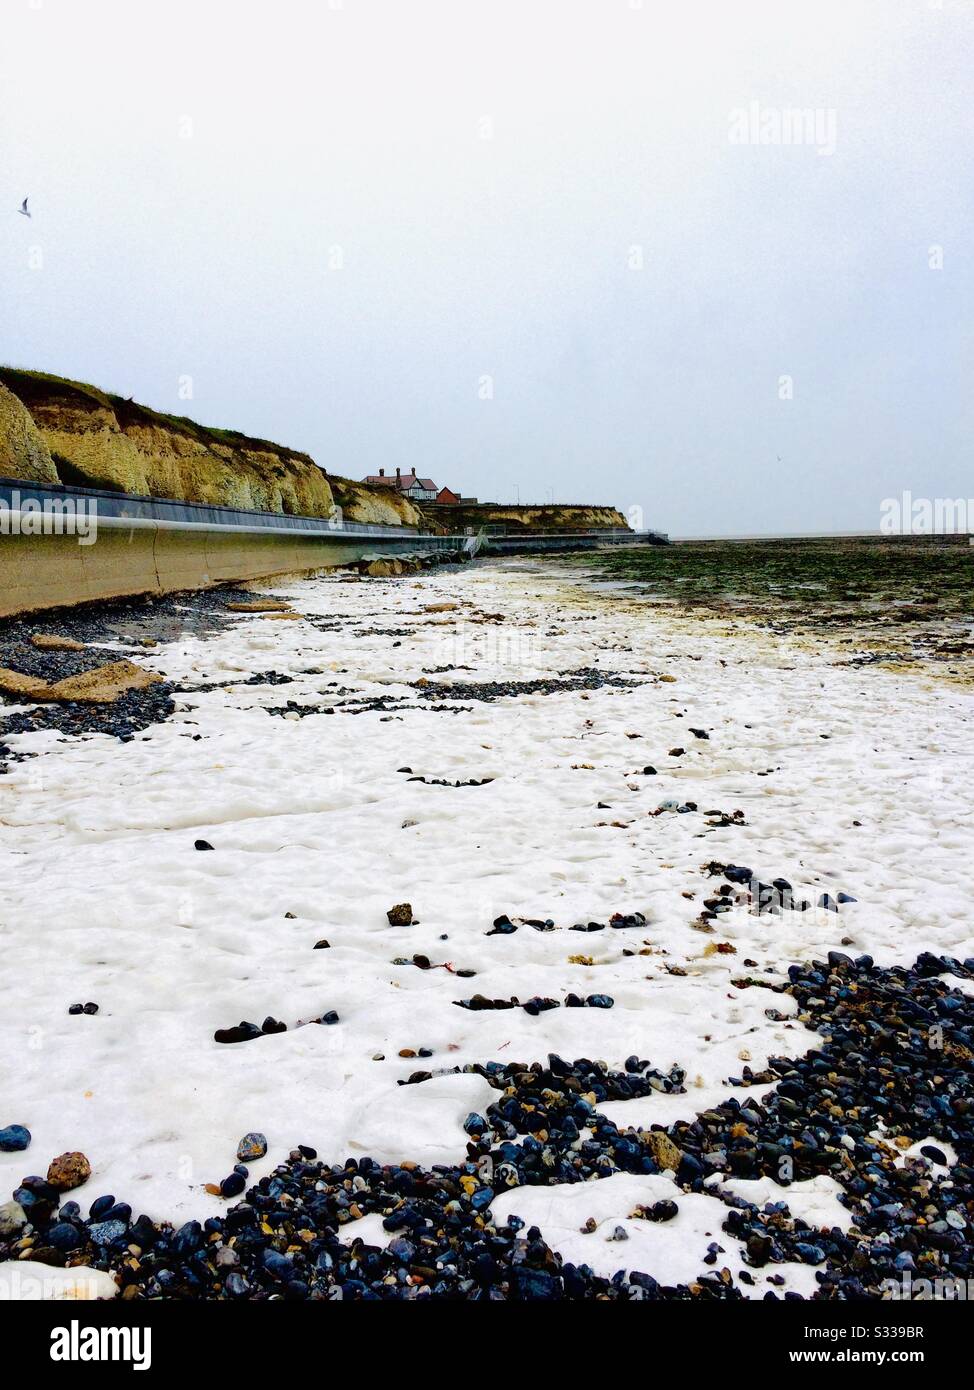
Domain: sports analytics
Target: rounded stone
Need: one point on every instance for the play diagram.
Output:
(68, 1170)
(14, 1139)
(251, 1147)
(13, 1219)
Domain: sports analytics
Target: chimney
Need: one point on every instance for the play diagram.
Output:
(382, 472)
(398, 474)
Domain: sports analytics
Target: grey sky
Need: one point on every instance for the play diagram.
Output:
(490, 173)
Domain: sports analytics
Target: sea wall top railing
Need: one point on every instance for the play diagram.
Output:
(121, 509)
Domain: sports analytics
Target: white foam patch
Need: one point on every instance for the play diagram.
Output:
(915, 1151)
(671, 1251)
(108, 901)
(815, 1201)
(958, 982)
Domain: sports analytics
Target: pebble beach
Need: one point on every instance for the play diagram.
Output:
(484, 933)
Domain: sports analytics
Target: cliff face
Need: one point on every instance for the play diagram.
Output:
(527, 519)
(23, 453)
(377, 505)
(97, 440)
(58, 431)
(53, 430)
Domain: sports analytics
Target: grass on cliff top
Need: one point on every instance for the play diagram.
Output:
(37, 389)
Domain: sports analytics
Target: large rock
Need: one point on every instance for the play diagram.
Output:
(98, 687)
(23, 452)
(260, 605)
(665, 1152)
(68, 1170)
(51, 642)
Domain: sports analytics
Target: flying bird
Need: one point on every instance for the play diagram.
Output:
(23, 209)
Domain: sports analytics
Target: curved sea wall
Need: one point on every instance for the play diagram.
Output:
(58, 432)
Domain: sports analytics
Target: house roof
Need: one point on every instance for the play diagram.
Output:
(403, 482)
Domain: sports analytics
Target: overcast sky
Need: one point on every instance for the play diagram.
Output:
(515, 244)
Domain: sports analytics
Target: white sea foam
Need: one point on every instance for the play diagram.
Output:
(107, 900)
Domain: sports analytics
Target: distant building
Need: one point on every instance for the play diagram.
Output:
(419, 489)
(447, 498)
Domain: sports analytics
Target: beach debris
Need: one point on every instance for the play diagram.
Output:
(401, 915)
(663, 1210)
(537, 1005)
(444, 782)
(246, 1032)
(503, 926)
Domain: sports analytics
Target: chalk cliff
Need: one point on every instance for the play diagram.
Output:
(54, 430)
(23, 452)
(494, 516)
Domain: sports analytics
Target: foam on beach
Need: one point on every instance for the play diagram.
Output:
(849, 780)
